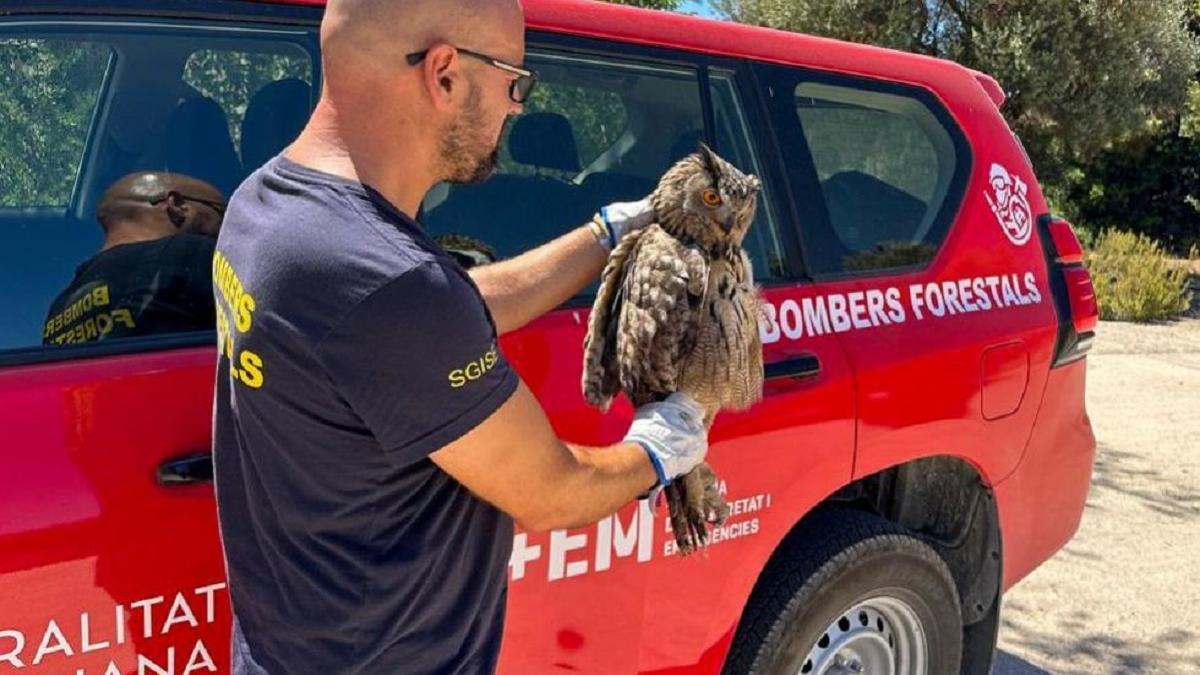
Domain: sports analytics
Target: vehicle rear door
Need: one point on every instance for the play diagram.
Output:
(934, 294)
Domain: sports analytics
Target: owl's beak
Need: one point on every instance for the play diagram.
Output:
(729, 222)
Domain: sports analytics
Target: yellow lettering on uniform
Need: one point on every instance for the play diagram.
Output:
(78, 334)
(89, 330)
(474, 371)
(85, 304)
(244, 310)
(100, 296)
(252, 375)
(104, 324)
(224, 341)
(124, 316)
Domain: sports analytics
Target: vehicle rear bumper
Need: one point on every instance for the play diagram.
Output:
(1041, 503)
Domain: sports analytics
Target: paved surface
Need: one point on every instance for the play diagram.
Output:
(1124, 595)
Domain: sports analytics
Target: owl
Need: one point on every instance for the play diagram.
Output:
(677, 310)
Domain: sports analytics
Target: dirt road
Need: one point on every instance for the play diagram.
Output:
(1124, 595)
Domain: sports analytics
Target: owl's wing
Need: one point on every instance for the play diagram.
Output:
(662, 291)
(600, 376)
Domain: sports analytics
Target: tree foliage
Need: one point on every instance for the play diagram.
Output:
(1093, 85)
(48, 92)
(1079, 73)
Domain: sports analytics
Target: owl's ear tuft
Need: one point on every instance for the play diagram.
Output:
(710, 160)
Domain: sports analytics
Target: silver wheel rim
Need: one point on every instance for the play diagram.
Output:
(879, 636)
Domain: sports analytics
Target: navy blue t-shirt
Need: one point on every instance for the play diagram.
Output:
(352, 348)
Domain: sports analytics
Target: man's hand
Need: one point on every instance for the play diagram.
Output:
(621, 218)
(673, 434)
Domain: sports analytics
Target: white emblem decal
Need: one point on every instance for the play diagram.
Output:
(1010, 202)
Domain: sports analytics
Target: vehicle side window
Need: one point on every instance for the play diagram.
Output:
(595, 131)
(888, 170)
(120, 146)
(49, 92)
(763, 242)
(275, 83)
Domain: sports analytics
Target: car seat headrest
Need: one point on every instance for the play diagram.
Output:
(544, 140)
(274, 118)
(198, 144)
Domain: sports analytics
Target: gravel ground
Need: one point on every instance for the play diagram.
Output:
(1124, 595)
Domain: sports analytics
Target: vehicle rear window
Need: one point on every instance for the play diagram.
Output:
(887, 166)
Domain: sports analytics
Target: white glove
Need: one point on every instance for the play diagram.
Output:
(673, 434)
(621, 218)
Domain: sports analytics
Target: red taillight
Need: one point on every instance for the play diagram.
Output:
(1081, 295)
(1085, 313)
(1071, 287)
(1066, 244)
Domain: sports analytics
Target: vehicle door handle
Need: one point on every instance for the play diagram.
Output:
(187, 470)
(795, 368)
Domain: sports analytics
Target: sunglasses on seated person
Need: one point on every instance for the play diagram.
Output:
(178, 198)
(520, 88)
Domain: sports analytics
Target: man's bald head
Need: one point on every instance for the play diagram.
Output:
(163, 203)
(440, 118)
(377, 34)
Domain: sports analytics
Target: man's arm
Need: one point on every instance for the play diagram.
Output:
(514, 461)
(521, 289)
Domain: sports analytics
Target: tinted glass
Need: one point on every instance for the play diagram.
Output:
(735, 143)
(90, 105)
(594, 132)
(886, 165)
(49, 92)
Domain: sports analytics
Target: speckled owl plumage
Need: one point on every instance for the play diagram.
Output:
(677, 310)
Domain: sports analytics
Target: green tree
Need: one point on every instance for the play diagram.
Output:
(1081, 75)
(48, 92)
(1148, 182)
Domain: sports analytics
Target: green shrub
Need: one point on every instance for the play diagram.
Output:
(1135, 279)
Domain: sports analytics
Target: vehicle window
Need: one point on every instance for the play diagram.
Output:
(763, 242)
(596, 131)
(49, 92)
(597, 120)
(234, 79)
(119, 148)
(886, 165)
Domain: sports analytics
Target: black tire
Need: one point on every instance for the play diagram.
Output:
(837, 559)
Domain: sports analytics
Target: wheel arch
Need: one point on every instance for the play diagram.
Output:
(946, 501)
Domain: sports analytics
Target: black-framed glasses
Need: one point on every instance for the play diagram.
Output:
(521, 86)
(179, 197)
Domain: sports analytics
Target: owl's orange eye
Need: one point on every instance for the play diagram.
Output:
(711, 197)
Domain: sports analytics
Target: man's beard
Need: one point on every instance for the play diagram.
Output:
(467, 156)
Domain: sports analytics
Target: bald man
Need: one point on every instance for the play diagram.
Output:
(372, 445)
(153, 273)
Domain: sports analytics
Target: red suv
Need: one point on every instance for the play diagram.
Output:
(922, 444)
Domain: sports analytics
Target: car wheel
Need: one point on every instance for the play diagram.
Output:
(851, 593)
